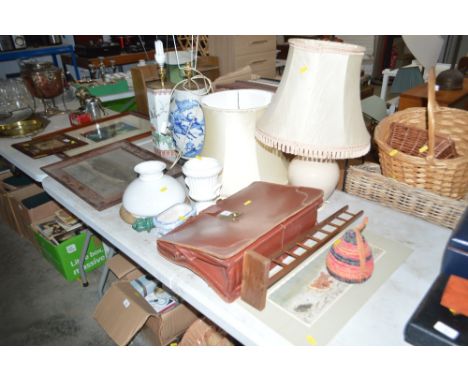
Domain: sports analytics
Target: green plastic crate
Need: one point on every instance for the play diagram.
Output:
(65, 257)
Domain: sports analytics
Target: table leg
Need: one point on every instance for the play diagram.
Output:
(84, 251)
(105, 270)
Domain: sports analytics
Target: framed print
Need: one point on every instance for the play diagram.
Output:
(101, 176)
(45, 146)
(124, 127)
(78, 139)
(109, 131)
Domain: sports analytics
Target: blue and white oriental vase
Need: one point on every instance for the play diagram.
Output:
(187, 122)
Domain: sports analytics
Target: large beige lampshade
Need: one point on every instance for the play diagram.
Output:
(230, 120)
(316, 111)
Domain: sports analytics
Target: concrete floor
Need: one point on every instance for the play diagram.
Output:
(38, 306)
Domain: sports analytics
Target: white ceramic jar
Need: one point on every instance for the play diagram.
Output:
(152, 192)
(202, 178)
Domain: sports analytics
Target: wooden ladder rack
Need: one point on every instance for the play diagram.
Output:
(256, 278)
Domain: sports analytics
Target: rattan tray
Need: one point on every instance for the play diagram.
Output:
(366, 181)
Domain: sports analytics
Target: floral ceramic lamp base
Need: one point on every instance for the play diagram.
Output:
(158, 108)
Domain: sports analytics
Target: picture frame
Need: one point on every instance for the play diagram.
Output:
(100, 176)
(48, 145)
(120, 127)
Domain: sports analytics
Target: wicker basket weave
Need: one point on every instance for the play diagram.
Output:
(366, 181)
(446, 177)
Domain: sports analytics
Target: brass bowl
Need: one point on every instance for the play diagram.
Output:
(25, 128)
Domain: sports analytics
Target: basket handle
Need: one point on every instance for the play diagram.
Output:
(432, 108)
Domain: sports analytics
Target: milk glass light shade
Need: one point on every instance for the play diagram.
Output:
(316, 111)
(231, 117)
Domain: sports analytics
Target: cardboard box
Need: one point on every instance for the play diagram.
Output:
(124, 314)
(6, 212)
(3, 176)
(65, 256)
(4, 206)
(10, 182)
(24, 216)
(123, 268)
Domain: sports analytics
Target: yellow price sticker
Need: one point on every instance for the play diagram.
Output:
(393, 152)
(182, 218)
(423, 149)
(303, 69)
(163, 189)
(247, 202)
(311, 340)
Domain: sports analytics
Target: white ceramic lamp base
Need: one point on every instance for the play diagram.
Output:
(310, 173)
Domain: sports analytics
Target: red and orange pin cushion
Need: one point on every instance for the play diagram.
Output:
(350, 257)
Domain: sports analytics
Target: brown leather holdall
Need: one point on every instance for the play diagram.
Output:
(263, 217)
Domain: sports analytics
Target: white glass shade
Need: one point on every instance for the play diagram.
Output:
(230, 119)
(316, 111)
(152, 192)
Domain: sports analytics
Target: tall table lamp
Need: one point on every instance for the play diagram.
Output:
(316, 112)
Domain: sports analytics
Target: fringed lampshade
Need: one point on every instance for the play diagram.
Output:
(316, 111)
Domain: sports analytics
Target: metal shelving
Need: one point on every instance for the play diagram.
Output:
(46, 51)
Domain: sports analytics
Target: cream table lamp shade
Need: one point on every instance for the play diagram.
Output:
(316, 111)
(231, 117)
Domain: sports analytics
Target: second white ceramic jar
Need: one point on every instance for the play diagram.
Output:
(202, 178)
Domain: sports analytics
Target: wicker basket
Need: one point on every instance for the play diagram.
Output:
(366, 181)
(446, 177)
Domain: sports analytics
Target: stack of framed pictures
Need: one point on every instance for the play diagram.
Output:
(76, 140)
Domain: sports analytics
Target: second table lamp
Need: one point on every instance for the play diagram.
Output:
(316, 112)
